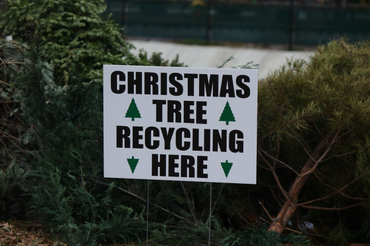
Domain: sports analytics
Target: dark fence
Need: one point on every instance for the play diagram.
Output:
(289, 24)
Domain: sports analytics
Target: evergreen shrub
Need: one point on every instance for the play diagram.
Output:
(314, 145)
(58, 84)
(17, 139)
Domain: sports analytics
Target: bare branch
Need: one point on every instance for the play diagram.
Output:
(287, 228)
(242, 217)
(142, 199)
(304, 147)
(268, 214)
(336, 191)
(274, 174)
(341, 155)
(348, 153)
(317, 129)
(312, 169)
(265, 220)
(268, 163)
(6, 149)
(188, 201)
(275, 197)
(273, 158)
(218, 197)
(333, 209)
(9, 44)
(277, 155)
(14, 62)
(340, 190)
(3, 82)
(263, 167)
(315, 200)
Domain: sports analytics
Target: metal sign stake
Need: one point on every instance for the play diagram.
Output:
(210, 213)
(147, 214)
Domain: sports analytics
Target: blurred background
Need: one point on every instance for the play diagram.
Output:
(291, 23)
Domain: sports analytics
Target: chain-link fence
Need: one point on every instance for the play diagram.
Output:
(283, 24)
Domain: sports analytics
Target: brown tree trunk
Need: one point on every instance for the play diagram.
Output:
(287, 211)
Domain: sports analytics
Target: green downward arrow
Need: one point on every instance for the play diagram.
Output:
(133, 163)
(226, 166)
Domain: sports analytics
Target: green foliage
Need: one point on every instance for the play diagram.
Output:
(59, 97)
(182, 234)
(69, 34)
(248, 65)
(313, 109)
(185, 234)
(15, 135)
(12, 188)
(17, 141)
(260, 236)
(73, 34)
(157, 60)
(66, 194)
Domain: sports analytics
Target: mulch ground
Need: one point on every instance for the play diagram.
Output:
(23, 233)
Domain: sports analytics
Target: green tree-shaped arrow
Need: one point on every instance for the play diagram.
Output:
(227, 115)
(226, 166)
(133, 163)
(133, 111)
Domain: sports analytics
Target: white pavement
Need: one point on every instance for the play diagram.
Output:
(214, 56)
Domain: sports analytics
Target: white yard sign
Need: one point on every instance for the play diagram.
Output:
(184, 124)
